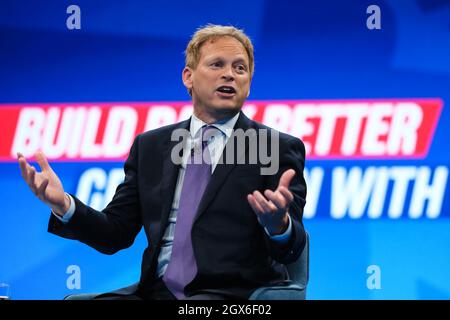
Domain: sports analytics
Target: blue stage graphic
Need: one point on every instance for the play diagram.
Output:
(379, 225)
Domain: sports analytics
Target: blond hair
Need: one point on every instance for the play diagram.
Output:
(210, 32)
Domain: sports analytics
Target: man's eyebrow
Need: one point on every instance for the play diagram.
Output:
(219, 58)
(213, 58)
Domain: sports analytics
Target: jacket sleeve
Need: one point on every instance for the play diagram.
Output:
(115, 227)
(292, 156)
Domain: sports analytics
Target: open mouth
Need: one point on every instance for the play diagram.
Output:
(226, 90)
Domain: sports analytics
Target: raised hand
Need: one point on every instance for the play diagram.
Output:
(45, 184)
(272, 210)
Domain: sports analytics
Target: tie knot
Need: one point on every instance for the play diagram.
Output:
(208, 134)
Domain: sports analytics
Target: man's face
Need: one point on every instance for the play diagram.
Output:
(221, 81)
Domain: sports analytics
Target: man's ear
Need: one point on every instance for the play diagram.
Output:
(187, 78)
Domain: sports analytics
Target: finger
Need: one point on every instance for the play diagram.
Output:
(277, 199)
(40, 191)
(32, 182)
(26, 171)
(286, 178)
(287, 194)
(42, 161)
(254, 204)
(266, 205)
(23, 167)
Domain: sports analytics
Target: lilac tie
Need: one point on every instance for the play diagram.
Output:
(182, 266)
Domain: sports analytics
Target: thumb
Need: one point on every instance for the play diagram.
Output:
(42, 161)
(286, 178)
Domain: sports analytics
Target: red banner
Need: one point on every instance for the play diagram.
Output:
(384, 129)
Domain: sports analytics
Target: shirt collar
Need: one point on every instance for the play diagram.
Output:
(225, 126)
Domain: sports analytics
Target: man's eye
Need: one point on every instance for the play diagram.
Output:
(216, 64)
(241, 68)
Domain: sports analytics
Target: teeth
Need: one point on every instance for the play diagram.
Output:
(226, 89)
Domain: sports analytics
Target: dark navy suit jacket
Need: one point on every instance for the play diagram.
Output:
(233, 252)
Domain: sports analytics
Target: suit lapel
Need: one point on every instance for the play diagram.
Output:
(222, 169)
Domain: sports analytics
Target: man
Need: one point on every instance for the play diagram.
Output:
(215, 229)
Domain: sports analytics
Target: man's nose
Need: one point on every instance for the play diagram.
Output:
(228, 74)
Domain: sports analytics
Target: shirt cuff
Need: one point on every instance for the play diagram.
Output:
(69, 213)
(284, 237)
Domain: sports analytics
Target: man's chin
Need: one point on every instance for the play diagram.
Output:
(227, 108)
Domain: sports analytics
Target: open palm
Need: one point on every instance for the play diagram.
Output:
(45, 184)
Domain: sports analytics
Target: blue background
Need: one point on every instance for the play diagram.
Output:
(133, 51)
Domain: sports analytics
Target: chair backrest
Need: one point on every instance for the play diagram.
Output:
(295, 289)
(299, 270)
